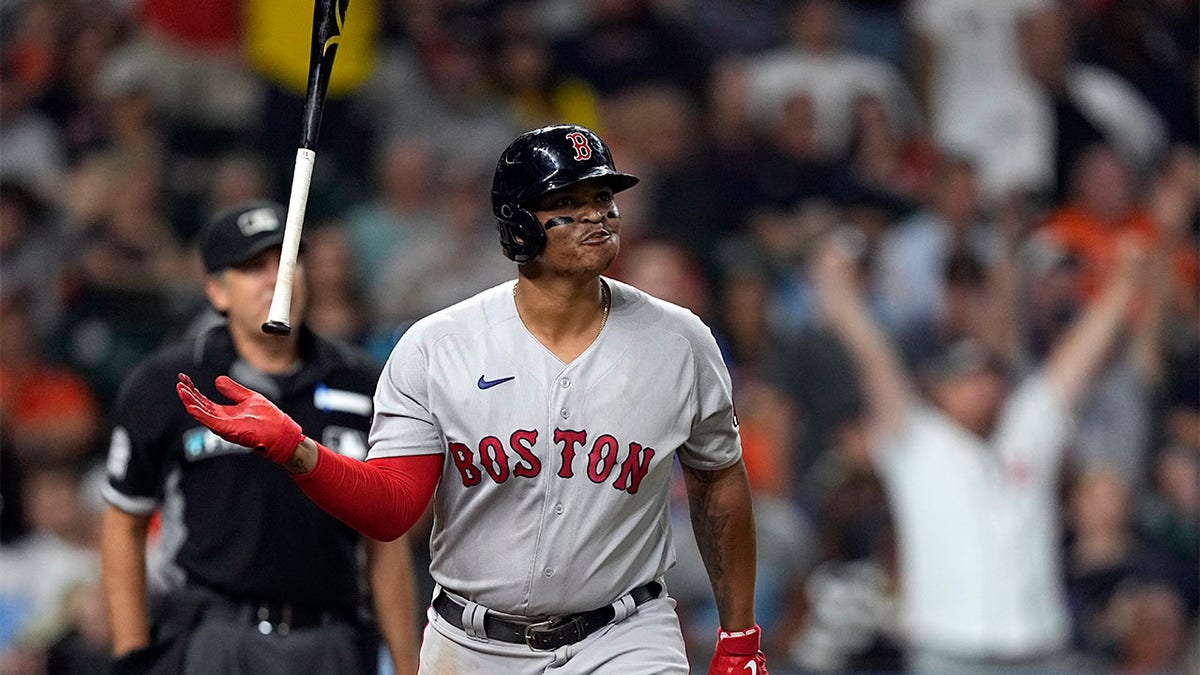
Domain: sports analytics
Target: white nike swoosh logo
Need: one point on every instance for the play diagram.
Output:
(752, 666)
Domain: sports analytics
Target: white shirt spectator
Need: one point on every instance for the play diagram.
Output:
(35, 575)
(976, 67)
(978, 531)
(833, 81)
(853, 607)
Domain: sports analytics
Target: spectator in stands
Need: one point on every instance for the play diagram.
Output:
(767, 304)
(852, 623)
(793, 166)
(34, 248)
(1101, 206)
(528, 72)
(133, 282)
(1115, 424)
(895, 165)
(41, 568)
(33, 34)
(191, 56)
(723, 28)
(1068, 106)
(966, 71)
(1154, 46)
(436, 86)
(401, 209)
(909, 277)
(33, 152)
(667, 269)
(1104, 552)
(1168, 516)
(445, 265)
(623, 43)
(336, 310)
(816, 64)
(48, 413)
(656, 131)
(1148, 624)
(971, 470)
(238, 176)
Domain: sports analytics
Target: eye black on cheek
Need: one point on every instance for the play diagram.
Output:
(558, 220)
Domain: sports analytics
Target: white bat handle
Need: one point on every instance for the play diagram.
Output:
(281, 302)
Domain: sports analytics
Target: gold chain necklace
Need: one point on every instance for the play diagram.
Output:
(607, 303)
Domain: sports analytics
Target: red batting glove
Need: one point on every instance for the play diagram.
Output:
(738, 653)
(252, 421)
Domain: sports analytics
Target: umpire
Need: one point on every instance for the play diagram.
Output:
(245, 573)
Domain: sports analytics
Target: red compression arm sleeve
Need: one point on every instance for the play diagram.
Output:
(381, 498)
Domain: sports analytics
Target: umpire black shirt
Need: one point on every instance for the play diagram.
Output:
(231, 519)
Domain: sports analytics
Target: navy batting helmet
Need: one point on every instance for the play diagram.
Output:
(540, 161)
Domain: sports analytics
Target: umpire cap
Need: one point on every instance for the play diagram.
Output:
(240, 233)
(537, 162)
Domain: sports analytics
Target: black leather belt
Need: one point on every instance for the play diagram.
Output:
(271, 616)
(548, 634)
(281, 617)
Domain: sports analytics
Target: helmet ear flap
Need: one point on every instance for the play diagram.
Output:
(521, 235)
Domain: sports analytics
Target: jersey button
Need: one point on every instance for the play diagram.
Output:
(564, 383)
(549, 571)
(558, 509)
(565, 413)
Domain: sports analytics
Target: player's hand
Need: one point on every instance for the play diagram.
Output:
(738, 653)
(252, 421)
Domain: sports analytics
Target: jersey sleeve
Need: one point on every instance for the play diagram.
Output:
(714, 442)
(142, 437)
(1034, 426)
(403, 424)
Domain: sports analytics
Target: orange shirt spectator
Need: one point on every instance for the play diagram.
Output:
(45, 409)
(1102, 211)
(1091, 242)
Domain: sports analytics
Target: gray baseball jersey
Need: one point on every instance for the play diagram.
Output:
(554, 490)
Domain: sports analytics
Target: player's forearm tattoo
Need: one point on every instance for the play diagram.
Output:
(304, 459)
(297, 464)
(708, 524)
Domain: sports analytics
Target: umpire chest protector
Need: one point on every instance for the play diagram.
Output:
(541, 161)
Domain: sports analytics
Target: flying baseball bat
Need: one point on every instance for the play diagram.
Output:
(328, 17)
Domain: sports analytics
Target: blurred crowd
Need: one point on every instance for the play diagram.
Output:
(983, 162)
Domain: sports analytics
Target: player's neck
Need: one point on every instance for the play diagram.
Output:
(268, 353)
(564, 315)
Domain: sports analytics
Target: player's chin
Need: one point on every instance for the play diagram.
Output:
(602, 254)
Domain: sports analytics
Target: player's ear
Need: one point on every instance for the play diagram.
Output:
(216, 287)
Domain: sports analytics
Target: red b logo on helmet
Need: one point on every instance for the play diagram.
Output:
(580, 142)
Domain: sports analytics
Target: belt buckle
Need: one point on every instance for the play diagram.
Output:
(568, 629)
(266, 624)
(536, 632)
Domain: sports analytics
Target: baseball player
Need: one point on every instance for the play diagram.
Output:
(547, 413)
(246, 575)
